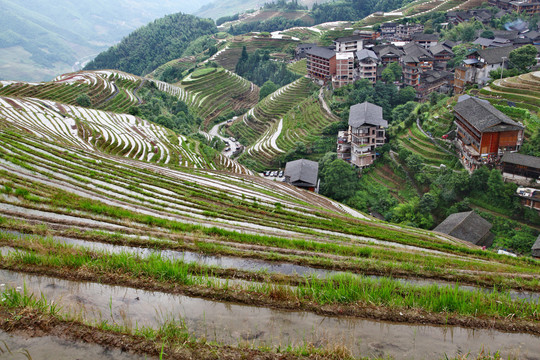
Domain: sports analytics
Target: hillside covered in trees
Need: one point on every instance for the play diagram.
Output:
(147, 48)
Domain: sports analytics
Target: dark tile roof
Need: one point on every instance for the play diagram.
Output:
(468, 226)
(417, 51)
(532, 34)
(383, 50)
(305, 46)
(536, 247)
(495, 55)
(349, 38)
(434, 76)
(484, 117)
(321, 52)
(365, 53)
(366, 113)
(439, 48)
(302, 171)
(520, 159)
(521, 42)
(510, 35)
(483, 41)
(424, 37)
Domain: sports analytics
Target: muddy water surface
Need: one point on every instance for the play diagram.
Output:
(233, 324)
(230, 262)
(51, 347)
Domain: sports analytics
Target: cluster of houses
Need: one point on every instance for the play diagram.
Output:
(423, 57)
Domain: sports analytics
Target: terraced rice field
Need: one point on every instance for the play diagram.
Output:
(218, 92)
(418, 143)
(197, 261)
(229, 57)
(298, 67)
(108, 90)
(108, 132)
(523, 90)
(280, 117)
(391, 179)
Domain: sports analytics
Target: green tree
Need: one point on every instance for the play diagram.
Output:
(524, 57)
(406, 94)
(391, 73)
(83, 100)
(339, 180)
(487, 34)
(267, 88)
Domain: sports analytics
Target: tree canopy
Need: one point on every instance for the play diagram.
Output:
(152, 45)
(524, 57)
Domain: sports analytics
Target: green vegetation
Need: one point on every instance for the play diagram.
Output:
(258, 68)
(166, 110)
(145, 49)
(336, 289)
(216, 94)
(352, 9)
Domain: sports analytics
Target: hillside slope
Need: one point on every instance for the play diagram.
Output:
(150, 46)
(40, 40)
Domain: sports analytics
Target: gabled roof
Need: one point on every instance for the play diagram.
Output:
(424, 37)
(536, 245)
(383, 50)
(484, 117)
(495, 55)
(433, 76)
(468, 226)
(305, 46)
(520, 159)
(483, 41)
(365, 54)
(417, 51)
(321, 52)
(439, 48)
(532, 34)
(505, 34)
(366, 113)
(303, 171)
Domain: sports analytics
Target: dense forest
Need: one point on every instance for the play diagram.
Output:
(274, 24)
(352, 9)
(258, 68)
(160, 41)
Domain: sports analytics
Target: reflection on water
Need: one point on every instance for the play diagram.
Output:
(16, 347)
(233, 324)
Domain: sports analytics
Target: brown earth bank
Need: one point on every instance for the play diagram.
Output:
(278, 300)
(31, 323)
(339, 263)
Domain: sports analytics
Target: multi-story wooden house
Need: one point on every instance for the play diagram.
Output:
(367, 62)
(483, 132)
(366, 133)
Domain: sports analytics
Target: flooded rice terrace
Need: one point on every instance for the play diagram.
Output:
(248, 264)
(18, 347)
(239, 324)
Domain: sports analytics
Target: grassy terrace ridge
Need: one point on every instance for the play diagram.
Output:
(260, 125)
(229, 58)
(142, 191)
(213, 92)
(107, 90)
(311, 294)
(418, 143)
(111, 133)
(523, 90)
